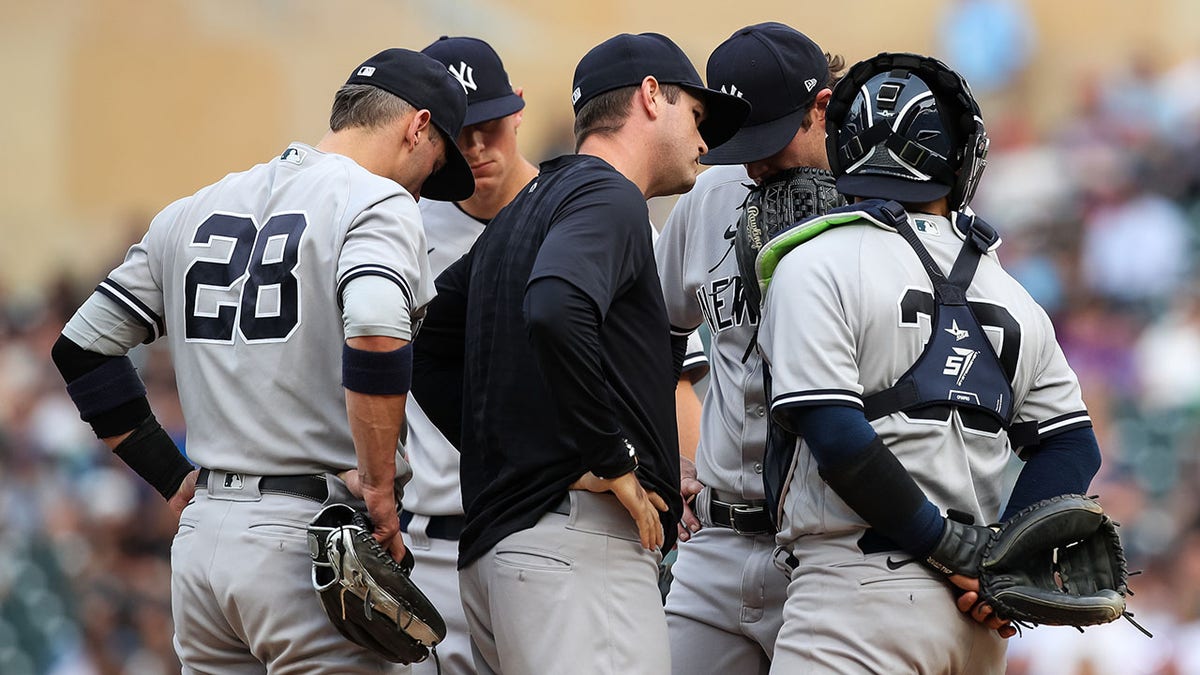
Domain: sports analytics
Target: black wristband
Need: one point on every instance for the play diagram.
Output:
(151, 453)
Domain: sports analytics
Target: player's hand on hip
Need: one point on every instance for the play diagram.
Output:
(689, 487)
(969, 603)
(183, 495)
(353, 483)
(381, 506)
(643, 505)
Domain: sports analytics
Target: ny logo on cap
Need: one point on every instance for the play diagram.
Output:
(366, 71)
(732, 91)
(465, 76)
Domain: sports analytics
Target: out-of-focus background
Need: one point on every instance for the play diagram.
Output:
(114, 108)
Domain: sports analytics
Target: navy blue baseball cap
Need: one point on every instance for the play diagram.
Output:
(780, 71)
(426, 85)
(479, 69)
(625, 60)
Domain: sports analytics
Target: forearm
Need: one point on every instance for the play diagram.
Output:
(687, 414)
(856, 464)
(376, 389)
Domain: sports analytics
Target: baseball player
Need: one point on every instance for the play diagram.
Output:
(725, 605)
(568, 438)
(910, 364)
(433, 512)
(315, 258)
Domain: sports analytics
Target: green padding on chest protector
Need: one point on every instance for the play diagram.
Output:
(774, 250)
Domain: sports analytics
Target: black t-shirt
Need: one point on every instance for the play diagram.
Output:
(536, 419)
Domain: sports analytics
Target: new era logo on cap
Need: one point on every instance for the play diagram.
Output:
(575, 96)
(810, 83)
(366, 71)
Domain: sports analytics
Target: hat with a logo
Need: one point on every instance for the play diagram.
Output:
(426, 85)
(478, 67)
(779, 71)
(626, 60)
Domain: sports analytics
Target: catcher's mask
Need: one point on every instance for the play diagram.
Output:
(906, 127)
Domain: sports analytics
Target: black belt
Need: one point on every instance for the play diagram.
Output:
(439, 527)
(311, 486)
(749, 519)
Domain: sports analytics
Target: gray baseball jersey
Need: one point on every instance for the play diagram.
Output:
(700, 282)
(848, 312)
(434, 489)
(248, 289)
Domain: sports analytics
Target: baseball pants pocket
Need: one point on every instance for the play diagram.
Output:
(526, 557)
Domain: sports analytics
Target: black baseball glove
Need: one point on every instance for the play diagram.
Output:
(773, 208)
(1058, 562)
(368, 596)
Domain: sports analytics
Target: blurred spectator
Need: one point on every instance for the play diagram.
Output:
(988, 41)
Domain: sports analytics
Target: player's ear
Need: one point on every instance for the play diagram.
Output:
(647, 97)
(820, 104)
(418, 126)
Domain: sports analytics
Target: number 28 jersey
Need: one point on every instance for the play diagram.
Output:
(245, 278)
(849, 312)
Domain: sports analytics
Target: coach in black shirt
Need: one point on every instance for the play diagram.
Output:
(568, 420)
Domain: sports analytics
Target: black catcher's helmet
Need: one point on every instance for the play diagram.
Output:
(906, 127)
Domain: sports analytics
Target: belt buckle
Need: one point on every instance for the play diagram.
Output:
(743, 509)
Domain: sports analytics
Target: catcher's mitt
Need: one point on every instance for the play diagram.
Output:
(368, 595)
(774, 207)
(1058, 562)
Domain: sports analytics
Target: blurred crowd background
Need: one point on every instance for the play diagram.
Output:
(1093, 181)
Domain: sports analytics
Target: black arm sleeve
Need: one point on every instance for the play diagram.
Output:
(860, 468)
(437, 383)
(564, 330)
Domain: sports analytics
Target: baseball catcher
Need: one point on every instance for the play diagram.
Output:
(1058, 562)
(368, 595)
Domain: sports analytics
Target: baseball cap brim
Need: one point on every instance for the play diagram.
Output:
(454, 181)
(888, 187)
(493, 108)
(723, 115)
(759, 141)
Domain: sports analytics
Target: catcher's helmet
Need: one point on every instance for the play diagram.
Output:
(906, 127)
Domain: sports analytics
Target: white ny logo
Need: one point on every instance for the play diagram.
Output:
(465, 75)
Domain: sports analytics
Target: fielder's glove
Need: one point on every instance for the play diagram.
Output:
(368, 595)
(1058, 562)
(781, 202)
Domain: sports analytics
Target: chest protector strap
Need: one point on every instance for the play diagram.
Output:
(959, 367)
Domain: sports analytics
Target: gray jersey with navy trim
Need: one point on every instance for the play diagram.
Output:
(846, 315)
(245, 278)
(700, 282)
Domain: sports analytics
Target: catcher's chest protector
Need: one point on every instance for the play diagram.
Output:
(959, 367)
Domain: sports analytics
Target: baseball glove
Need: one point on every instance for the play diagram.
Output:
(368, 596)
(1058, 562)
(774, 207)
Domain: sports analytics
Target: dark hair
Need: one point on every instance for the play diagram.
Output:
(606, 113)
(363, 105)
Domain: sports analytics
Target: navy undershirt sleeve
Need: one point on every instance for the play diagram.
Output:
(1062, 464)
